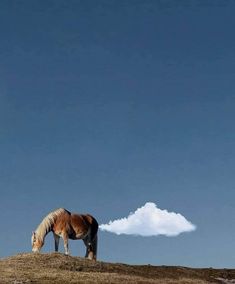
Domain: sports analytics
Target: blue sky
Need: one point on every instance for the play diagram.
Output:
(107, 105)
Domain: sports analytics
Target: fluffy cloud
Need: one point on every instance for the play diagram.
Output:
(149, 220)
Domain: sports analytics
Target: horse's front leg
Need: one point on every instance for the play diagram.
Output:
(57, 239)
(66, 243)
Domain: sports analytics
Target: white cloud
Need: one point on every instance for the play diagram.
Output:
(149, 220)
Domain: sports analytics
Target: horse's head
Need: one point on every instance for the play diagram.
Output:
(37, 242)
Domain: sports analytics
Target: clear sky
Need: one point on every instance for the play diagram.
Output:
(107, 105)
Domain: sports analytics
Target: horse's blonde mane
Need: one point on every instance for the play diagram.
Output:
(46, 223)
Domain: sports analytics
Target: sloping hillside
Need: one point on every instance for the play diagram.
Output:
(59, 268)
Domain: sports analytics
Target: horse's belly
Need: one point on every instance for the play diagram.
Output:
(77, 236)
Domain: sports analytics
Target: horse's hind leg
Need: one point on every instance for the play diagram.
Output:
(91, 248)
(57, 239)
(92, 240)
(94, 246)
(86, 244)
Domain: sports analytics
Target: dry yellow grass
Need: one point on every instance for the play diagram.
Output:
(59, 268)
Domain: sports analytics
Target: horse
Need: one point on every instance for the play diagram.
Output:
(68, 225)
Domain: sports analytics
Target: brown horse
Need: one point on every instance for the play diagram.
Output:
(68, 226)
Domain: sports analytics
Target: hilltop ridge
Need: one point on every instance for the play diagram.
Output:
(59, 268)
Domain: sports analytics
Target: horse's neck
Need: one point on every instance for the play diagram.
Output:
(47, 223)
(43, 229)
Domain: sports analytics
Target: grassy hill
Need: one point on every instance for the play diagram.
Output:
(59, 268)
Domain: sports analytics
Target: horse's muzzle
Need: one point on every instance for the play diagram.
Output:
(35, 250)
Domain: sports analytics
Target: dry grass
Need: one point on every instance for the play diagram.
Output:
(59, 268)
